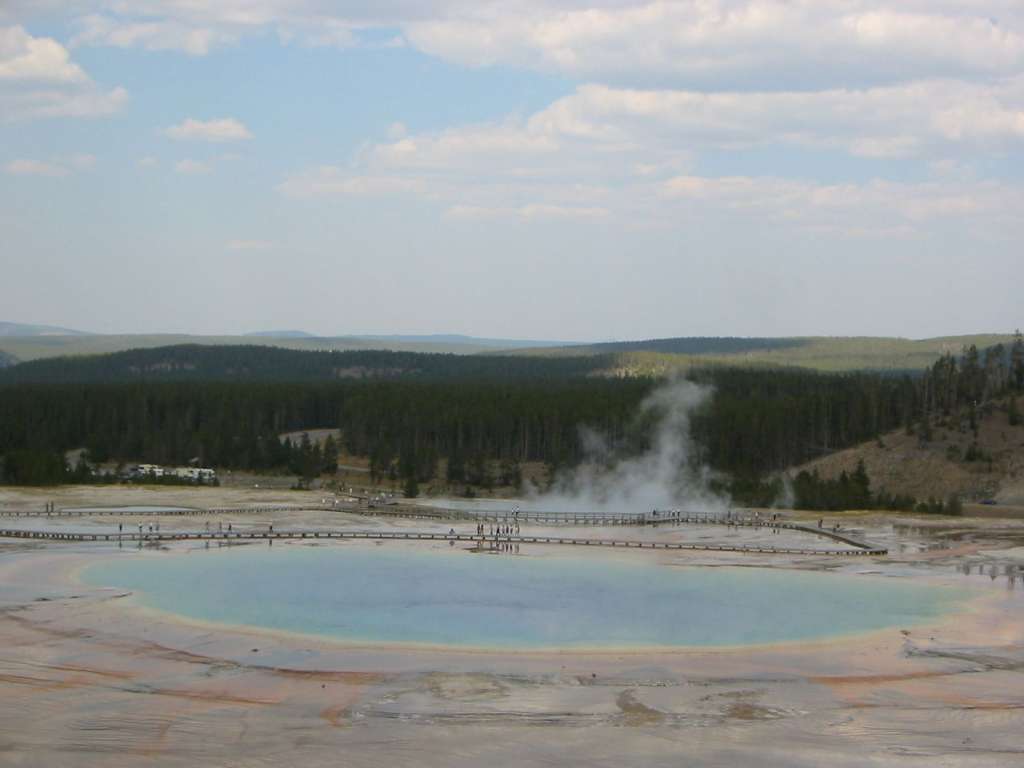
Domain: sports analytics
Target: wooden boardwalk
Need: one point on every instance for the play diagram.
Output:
(655, 518)
(483, 541)
(414, 512)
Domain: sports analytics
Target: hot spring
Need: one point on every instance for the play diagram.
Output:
(379, 595)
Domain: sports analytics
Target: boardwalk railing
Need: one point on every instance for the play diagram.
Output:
(410, 511)
(225, 536)
(655, 517)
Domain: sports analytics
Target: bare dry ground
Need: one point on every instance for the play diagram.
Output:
(88, 680)
(200, 497)
(902, 463)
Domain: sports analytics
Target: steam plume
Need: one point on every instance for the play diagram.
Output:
(663, 477)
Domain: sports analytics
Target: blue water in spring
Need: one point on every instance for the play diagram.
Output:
(402, 595)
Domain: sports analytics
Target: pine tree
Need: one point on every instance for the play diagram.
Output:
(412, 488)
(456, 472)
(330, 456)
(862, 487)
(1017, 361)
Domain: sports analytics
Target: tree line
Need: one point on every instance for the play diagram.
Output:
(483, 429)
(249, 363)
(476, 425)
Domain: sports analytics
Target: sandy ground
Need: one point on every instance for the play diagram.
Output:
(87, 679)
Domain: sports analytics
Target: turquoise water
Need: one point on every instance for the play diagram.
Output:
(461, 599)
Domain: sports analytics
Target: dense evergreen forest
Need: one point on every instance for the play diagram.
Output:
(755, 422)
(193, 362)
(477, 413)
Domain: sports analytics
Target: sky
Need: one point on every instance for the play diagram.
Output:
(548, 169)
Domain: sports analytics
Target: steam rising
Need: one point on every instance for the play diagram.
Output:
(664, 477)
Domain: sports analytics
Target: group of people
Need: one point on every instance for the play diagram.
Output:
(153, 528)
(220, 527)
(509, 529)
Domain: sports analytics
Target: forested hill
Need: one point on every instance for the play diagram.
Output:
(192, 362)
(696, 345)
(421, 416)
(756, 421)
(820, 353)
(7, 360)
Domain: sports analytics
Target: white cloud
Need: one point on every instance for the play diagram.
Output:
(878, 208)
(51, 103)
(877, 122)
(333, 33)
(465, 146)
(219, 129)
(670, 83)
(699, 43)
(191, 167)
(160, 35)
(147, 162)
(716, 42)
(35, 168)
(36, 59)
(38, 79)
(599, 139)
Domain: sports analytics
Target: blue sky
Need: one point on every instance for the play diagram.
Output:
(571, 170)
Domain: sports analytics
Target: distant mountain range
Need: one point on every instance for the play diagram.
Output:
(22, 329)
(450, 339)
(455, 338)
(281, 334)
(23, 343)
(26, 330)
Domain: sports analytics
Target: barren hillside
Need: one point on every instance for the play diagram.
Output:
(906, 463)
